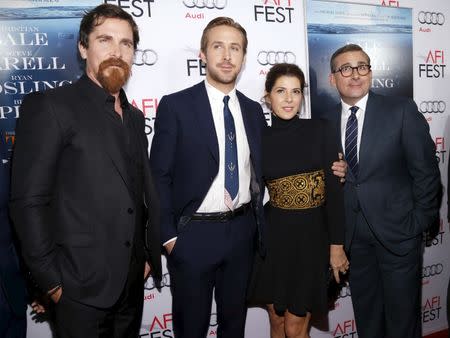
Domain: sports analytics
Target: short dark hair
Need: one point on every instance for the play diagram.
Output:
(97, 16)
(347, 48)
(284, 69)
(222, 21)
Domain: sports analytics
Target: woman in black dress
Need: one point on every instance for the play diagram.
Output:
(305, 214)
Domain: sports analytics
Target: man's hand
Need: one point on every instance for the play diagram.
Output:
(147, 270)
(340, 168)
(169, 246)
(55, 294)
(338, 260)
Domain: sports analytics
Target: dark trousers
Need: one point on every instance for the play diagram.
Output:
(76, 320)
(11, 325)
(211, 256)
(385, 287)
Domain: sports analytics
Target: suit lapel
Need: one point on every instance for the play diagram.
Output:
(202, 109)
(250, 126)
(105, 135)
(371, 129)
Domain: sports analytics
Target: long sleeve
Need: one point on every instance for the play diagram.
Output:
(38, 144)
(334, 204)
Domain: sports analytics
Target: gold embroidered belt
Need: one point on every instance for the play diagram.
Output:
(301, 191)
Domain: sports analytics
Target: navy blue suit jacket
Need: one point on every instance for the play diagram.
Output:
(184, 155)
(398, 184)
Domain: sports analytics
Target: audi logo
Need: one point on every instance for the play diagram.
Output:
(150, 283)
(432, 270)
(431, 18)
(147, 57)
(210, 4)
(432, 107)
(272, 57)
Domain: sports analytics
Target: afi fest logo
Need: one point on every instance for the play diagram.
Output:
(137, 8)
(431, 309)
(435, 239)
(161, 327)
(345, 329)
(390, 3)
(434, 66)
(148, 106)
(439, 142)
(277, 11)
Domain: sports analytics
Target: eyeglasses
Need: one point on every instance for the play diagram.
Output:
(347, 71)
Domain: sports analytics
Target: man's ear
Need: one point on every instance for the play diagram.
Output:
(332, 80)
(203, 57)
(82, 50)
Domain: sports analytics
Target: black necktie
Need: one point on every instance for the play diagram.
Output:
(351, 141)
(231, 159)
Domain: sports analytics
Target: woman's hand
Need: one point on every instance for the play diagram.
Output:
(338, 260)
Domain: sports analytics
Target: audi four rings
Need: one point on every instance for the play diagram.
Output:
(146, 57)
(273, 57)
(432, 270)
(210, 4)
(431, 18)
(432, 106)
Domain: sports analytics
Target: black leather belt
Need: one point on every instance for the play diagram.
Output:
(220, 216)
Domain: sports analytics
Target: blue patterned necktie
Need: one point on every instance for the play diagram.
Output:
(231, 159)
(351, 141)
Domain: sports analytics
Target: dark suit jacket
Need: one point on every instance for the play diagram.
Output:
(398, 184)
(184, 155)
(12, 284)
(71, 199)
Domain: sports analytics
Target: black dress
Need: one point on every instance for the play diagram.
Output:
(303, 217)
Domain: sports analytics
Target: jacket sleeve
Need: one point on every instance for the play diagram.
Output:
(39, 142)
(420, 155)
(162, 161)
(334, 204)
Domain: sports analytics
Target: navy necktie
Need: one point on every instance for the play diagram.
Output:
(231, 159)
(351, 141)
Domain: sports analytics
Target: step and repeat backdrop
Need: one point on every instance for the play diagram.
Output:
(407, 41)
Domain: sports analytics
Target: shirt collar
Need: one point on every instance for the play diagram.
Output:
(361, 104)
(216, 95)
(99, 94)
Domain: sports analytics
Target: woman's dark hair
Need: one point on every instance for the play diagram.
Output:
(97, 16)
(284, 69)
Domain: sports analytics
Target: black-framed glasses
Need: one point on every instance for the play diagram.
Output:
(347, 71)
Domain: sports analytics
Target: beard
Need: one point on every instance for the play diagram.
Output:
(226, 79)
(112, 74)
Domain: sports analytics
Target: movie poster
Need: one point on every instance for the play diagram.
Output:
(385, 33)
(38, 51)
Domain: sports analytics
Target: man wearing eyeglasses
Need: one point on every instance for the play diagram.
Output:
(391, 197)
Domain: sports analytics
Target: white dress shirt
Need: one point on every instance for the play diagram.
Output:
(360, 114)
(215, 198)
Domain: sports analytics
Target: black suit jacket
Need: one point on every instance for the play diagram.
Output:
(71, 200)
(398, 184)
(185, 156)
(12, 284)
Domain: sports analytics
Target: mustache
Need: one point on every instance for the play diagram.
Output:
(114, 62)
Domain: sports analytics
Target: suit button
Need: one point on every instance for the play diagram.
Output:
(127, 244)
(130, 211)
